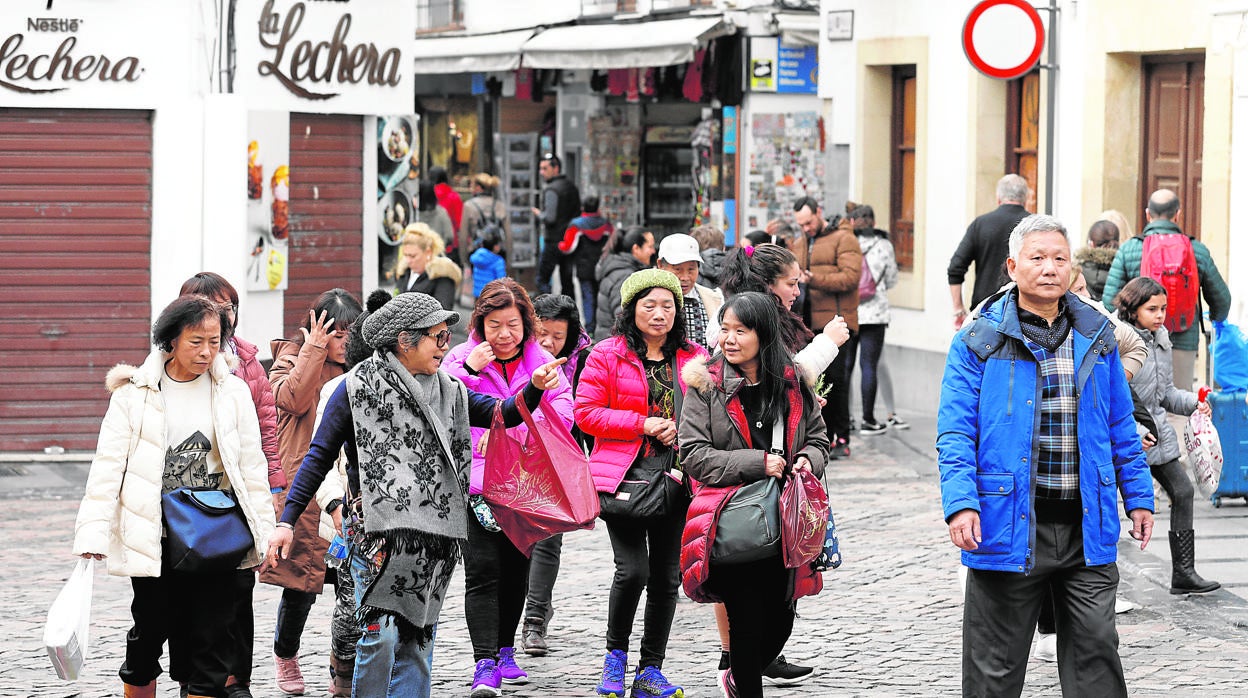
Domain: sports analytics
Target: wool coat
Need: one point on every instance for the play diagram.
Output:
(834, 261)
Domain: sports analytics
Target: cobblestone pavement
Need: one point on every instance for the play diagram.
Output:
(887, 624)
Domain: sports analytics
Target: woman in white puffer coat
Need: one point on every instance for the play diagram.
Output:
(178, 420)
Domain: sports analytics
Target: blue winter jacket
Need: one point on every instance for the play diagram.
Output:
(987, 420)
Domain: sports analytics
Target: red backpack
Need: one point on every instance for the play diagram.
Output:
(1168, 258)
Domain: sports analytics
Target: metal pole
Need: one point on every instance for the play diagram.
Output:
(1051, 109)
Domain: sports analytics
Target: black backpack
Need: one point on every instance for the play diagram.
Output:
(488, 224)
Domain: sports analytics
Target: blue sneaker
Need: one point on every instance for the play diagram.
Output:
(508, 669)
(486, 680)
(651, 683)
(612, 683)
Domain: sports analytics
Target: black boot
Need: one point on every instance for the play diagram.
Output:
(1183, 579)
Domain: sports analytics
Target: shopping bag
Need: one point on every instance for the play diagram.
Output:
(1204, 450)
(541, 486)
(69, 622)
(1230, 356)
(803, 518)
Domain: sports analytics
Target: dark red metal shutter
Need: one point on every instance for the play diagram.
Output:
(326, 210)
(75, 242)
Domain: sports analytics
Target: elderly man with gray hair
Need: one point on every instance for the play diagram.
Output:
(985, 244)
(1035, 441)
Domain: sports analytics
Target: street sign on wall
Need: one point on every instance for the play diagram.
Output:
(1003, 38)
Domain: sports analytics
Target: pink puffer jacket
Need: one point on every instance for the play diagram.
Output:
(252, 373)
(612, 403)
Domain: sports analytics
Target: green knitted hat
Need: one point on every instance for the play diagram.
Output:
(639, 282)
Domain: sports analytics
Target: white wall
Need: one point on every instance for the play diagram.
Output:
(485, 16)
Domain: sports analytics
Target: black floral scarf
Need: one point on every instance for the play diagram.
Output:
(414, 453)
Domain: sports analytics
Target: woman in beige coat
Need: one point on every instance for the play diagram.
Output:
(178, 420)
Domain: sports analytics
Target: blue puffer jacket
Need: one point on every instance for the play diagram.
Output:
(987, 419)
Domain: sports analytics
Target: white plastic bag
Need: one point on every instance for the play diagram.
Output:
(1204, 452)
(69, 622)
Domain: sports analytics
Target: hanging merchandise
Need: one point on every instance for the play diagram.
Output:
(786, 163)
(705, 136)
(612, 162)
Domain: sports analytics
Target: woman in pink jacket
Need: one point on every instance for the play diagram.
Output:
(498, 360)
(628, 400)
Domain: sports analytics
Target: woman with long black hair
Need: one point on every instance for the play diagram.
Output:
(748, 416)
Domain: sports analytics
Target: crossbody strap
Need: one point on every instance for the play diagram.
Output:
(777, 437)
(677, 398)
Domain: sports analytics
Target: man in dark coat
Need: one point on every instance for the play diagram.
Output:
(986, 243)
(561, 202)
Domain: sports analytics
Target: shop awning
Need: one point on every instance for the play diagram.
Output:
(641, 45)
(798, 29)
(477, 53)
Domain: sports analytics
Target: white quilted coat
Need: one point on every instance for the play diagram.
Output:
(120, 513)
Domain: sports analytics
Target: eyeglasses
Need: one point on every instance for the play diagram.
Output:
(443, 338)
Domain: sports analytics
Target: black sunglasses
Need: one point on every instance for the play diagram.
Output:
(443, 338)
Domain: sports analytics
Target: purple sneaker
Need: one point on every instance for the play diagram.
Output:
(486, 680)
(651, 683)
(613, 665)
(508, 669)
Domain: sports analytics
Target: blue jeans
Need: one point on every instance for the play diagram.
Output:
(870, 347)
(385, 666)
(589, 296)
(292, 616)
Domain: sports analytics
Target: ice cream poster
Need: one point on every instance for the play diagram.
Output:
(268, 200)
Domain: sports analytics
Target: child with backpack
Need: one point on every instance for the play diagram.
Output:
(1142, 302)
(487, 262)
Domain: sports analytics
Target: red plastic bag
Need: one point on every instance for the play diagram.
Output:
(803, 518)
(541, 487)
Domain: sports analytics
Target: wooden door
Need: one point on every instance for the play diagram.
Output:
(1174, 112)
(902, 170)
(1022, 144)
(75, 268)
(326, 211)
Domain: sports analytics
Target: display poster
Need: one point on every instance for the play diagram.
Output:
(268, 200)
(398, 186)
(786, 163)
(764, 59)
(613, 161)
(90, 53)
(799, 70)
(342, 57)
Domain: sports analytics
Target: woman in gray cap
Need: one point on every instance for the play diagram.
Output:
(404, 424)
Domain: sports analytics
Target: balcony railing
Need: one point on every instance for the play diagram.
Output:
(590, 8)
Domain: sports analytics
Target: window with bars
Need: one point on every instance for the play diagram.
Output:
(439, 15)
(901, 171)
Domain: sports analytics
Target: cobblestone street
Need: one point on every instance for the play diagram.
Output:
(887, 624)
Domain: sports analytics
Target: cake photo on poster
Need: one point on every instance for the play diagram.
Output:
(268, 222)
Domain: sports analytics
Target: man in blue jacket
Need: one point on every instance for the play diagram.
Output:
(1036, 440)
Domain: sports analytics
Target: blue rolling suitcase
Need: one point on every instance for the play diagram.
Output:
(1230, 416)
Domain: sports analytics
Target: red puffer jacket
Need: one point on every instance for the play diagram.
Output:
(611, 406)
(252, 373)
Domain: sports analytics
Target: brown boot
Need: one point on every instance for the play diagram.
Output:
(341, 672)
(132, 691)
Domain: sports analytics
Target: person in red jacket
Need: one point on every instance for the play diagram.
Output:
(450, 200)
(247, 367)
(628, 400)
(587, 234)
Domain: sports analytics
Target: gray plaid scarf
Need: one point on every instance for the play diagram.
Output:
(414, 453)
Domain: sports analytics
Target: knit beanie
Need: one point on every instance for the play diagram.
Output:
(639, 282)
(408, 311)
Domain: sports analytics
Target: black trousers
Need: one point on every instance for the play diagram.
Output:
(1174, 481)
(1002, 607)
(496, 579)
(836, 412)
(760, 617)
(647, 557)
(543, 571)
(551, 258)
(195, 613)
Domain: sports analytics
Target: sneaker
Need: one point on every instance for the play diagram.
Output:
(781, 673)
(533, 639)
(727, 685)
(1046, 647)
(289, 675)
(508, 669)
(486, 680)
(872, 428)
(613, 665)
(898, 423)
(839, 450)
(1121, 605)
(651, 683)
(237, 690)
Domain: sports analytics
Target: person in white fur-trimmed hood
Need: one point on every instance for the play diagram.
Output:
(178, 420)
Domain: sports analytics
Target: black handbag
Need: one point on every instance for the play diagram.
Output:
(748, 527)
(205, 530)
(649, 490)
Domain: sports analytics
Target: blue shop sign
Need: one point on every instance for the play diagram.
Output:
(799, 70)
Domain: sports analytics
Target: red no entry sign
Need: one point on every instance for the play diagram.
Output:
(1003, 38)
